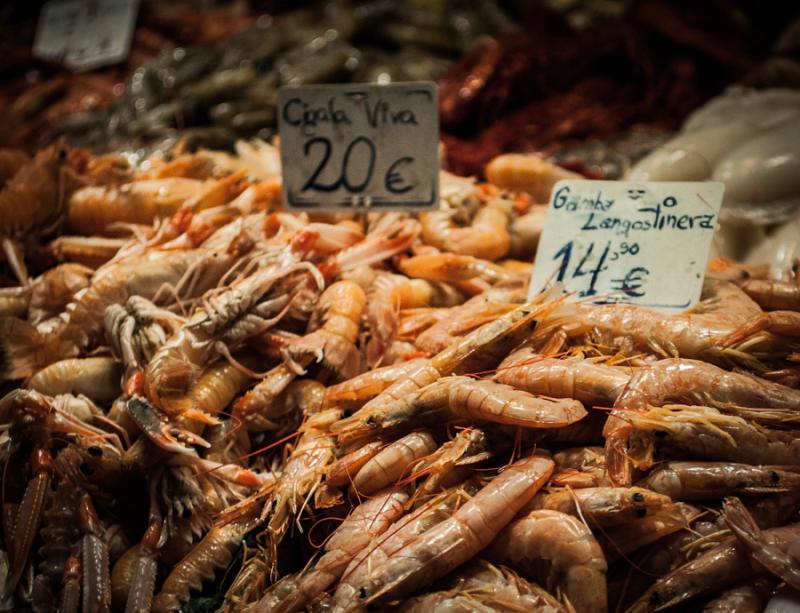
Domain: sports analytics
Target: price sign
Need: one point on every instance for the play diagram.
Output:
(86, 34)
(360, 146)
(622, 241)
(57, 21)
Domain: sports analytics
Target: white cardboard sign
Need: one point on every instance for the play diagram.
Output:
(360, 146)
(85, 34)
(624, 241)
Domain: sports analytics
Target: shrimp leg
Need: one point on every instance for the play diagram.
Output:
(769, 555)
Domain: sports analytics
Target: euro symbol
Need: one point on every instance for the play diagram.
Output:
(633, 282)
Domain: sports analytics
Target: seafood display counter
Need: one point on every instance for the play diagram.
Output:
(211, 402)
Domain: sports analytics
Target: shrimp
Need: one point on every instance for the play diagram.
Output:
(706, 434)
(726, 565)
(356, 391)
(389, 407)
(217, 386)
(691, 381)
(697, 333)
(457, 539)
(449, 464)
(244, 309)
(580, 467)
(413, 322)
(697, 481)
(487, 400)
(377, 246)
(98, 378)
(748, 598)
(339, 308)
(404, 531)
(136, 329)
(480, 349)
(452, 267)
(367, 521)
(387, 294)
(302, 474)
(486, 236)
(484, 587)
(677, 380)
(56, 288)
(23, 347)
(214, 552)
(94, 209)
(780, 323)
(392, 462)
(602, 506)
(773, 295)
(90, 251)
(457, 321)
(525, 172)
(525, 231)
(591, 383)
(32, 201)
(486, 346)
(625, 539)
(259, 408)
(332, 238)
(575, 556)
(775, 558)
(342, 471)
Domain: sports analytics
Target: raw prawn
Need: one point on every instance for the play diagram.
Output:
(452, 267)
(523, 172)
(484, 587)
(575, 556)
(31, 201)
(706, 434)
(696, 333)
(594, 384)
(428, 515)
(770, 555)
(388, 294)
(485, 237)
(339, 311)
(773, 295)
(98, 378)
(23, 348)
(602, 506)
(367, 521)
(724, 566)
(457, 539)
(389, 464)
(55, 289)
(487, 400)
(693, 481)
(244, 309)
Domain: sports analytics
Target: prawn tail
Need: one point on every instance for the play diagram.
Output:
(740, 521)
(24, 350)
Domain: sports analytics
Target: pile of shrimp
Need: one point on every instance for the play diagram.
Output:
(216, 404)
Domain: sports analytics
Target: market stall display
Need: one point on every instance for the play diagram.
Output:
(212, 403)
(234, 373)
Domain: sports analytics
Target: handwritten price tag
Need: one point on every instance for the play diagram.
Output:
(622, 241)
(57, 22)
(86, 34)
(353, 146)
